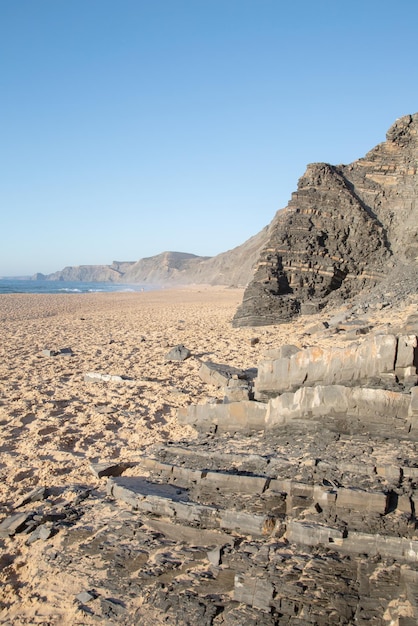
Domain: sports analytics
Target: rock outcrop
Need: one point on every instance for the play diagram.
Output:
(343, 230)
(324, 491)
(382, 361)
(369, 387)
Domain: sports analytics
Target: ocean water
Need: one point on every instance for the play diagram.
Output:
(13, 285)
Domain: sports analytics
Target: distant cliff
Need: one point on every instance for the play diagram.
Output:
(231, 268)
(89, 273)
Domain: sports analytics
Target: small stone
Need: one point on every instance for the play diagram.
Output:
(317, 328)
(63, 351)
(97, 377)
(109, 469)
(214, 556)
(105, 409)
(254, 341)
(40, 493)
(86, 596)
(340, 318)
(309, 308)
(82, 496)
(14, 524)
(66, 352)
(48, 352)
(178, 353)
(112, 608)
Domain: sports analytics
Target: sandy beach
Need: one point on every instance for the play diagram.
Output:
(53, 424)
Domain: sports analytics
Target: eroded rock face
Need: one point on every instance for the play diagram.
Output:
(344, 228)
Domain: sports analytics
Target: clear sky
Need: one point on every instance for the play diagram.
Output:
(131, 127)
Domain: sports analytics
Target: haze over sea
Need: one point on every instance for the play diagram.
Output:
(13, 285)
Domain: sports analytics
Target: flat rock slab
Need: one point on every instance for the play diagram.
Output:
(109, 469)
(40, 493)
(86, 596)
(137, 489)
(43, 532)
(168, 501)
(311, 534)
(371, 406)
(359, 500)
(97, 377)
(351, 542)
(226, 482)
(411, 324)
(380, 358)
(189, 535)
(245, 416)
(219, 375)
(255, 592)
(14, 524)
(230, 483)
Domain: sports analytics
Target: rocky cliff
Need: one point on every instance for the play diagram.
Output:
(344, 229)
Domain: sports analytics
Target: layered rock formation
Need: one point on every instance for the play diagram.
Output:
(344, 228)
(320, 510)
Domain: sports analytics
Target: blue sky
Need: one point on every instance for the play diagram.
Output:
(131, 127)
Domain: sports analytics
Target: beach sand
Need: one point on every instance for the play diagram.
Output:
(53, 424)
